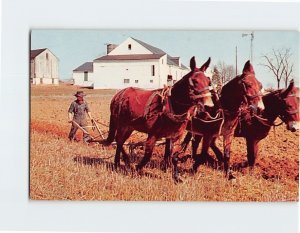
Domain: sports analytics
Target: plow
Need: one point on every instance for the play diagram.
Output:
(100, 137)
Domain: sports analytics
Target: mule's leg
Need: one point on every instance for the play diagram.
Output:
(122, 135)
(252, 148)
(125, 157)
(168, 152)
(126, 135)
(148, 152)
(175, 159)
(204, 152)
(195, 145)
(216, 150)
(227, 144)
(186, 140)
(117, 155)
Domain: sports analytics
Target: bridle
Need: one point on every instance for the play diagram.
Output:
(282, 116)
(248, 98)
(200, 93)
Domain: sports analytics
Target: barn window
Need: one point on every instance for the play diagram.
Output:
(126, 80)
(136, 81)
(129, 46)
(47, 56)
(153, 70)
(151, 81)
(162, 61)
(86, 76)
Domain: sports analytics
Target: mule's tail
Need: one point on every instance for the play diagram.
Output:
(112, 131)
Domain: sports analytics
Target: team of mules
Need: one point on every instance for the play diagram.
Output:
(283, 103)
(192, 104)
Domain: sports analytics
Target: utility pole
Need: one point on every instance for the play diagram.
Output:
(235, 60)
(251, 43)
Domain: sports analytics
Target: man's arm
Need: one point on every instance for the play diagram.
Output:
(70, 112)
(70, 115)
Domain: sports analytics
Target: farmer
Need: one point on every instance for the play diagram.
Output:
(77, 116)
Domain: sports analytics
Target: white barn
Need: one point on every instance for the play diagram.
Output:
(134, 63)
(43, 67)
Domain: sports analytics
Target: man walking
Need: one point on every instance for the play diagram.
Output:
(77, 116)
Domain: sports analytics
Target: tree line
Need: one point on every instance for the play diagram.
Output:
(278, 62)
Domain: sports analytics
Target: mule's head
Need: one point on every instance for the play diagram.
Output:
(251, 88)
(200, 84)
(289, 105)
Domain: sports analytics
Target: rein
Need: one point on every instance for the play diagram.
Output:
(266, 122)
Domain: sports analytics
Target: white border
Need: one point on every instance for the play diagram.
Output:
(18, 213)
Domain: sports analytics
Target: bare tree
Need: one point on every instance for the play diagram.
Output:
(278, 62)
(226, 72)
(216, 79)
(288, 68)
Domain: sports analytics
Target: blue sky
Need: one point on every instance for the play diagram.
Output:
(74, 47)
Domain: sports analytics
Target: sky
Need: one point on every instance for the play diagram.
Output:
(74, 47)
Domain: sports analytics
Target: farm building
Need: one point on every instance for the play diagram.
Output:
(132, 63)
(43, 67)
(83, 75)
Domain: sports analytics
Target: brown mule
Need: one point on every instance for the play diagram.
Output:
(157, 113)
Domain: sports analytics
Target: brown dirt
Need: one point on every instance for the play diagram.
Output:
(64, 174)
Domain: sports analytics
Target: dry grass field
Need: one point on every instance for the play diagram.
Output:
(63, 170)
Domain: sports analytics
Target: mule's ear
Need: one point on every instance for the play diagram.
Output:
(192, 63)
(248, 68)
(205, 65)
(285, 92)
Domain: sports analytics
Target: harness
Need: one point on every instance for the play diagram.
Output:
(167, 109)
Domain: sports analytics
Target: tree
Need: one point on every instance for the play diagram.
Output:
(226, 72)
(278, 62)
(216, 79)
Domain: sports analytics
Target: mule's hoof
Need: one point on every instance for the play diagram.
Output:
(231, 177)
(177, 180)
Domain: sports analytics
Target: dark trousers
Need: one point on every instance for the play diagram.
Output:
(74, 129)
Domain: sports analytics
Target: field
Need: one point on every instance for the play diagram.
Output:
(64, 170)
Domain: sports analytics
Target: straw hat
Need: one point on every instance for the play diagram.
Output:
(80, 94)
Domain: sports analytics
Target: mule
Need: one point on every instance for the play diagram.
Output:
(157, 113)
(239, 96)
(283, 103)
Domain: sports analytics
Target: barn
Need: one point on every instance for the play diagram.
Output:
(43, 67)
(133, 63)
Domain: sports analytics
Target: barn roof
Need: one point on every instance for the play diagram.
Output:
(156, 54)
(151, 48)
(35, 52)
(88, 66)
(129, 57)
(155, 50)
